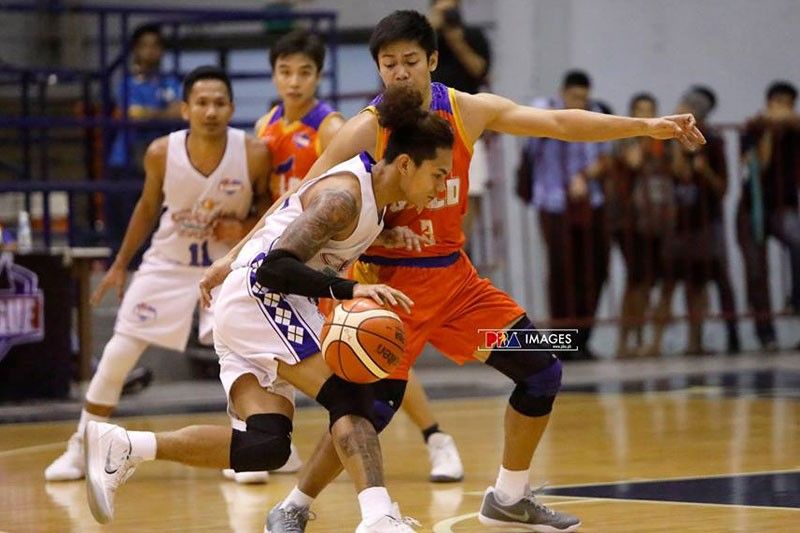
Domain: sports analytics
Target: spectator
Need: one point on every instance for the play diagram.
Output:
(640, 203)
(769, 205)
(695, 253)
(567, 192)
(464, 61)
(151, 95)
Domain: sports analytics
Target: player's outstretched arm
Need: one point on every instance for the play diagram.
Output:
(144, 217)
(489, 111)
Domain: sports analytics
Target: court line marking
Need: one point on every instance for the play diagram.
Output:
(680, 478)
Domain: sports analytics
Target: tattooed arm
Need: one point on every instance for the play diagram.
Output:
(328, 213)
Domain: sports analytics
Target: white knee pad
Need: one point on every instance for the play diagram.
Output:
(119, 357)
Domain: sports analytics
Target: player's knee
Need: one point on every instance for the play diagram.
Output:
(344, 398)
(265, 445)
(388, 399)
(535, 394)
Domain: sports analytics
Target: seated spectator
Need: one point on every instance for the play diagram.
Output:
(770, 151)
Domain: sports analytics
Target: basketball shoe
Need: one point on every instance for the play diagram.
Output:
(109, 464)
(289, 520)
(527, 513)
(70, 465)
(393, 522)
(446, 464)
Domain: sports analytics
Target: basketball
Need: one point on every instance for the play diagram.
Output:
(362, 341)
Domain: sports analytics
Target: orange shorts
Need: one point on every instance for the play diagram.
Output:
(451, 303)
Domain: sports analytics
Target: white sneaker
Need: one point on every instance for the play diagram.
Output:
(446, 464)
(69, 466)
(109, 464)
(246, 478)
(293, 464)
(393, 523)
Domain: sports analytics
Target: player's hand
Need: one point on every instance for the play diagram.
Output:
(212, 277)
(681, 127)
(403, 237)
(228, 229)
(383, 295)
(115, 277)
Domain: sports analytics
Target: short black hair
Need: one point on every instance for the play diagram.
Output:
(206, 72)
(576, 78)
(299, 42)
(708, 92)
(642, 97)
(146, 29)
(403, 25)
(781, 87)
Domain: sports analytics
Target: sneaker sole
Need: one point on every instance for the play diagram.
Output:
(445, 479)
(539, 528)
(97, 502)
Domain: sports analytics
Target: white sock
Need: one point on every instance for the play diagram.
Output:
(143, 444)
(297, 498)
(85, 417)
(374, 503)
(511, 485)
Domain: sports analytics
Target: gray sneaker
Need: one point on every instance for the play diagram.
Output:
(526, 513)
(289, 520)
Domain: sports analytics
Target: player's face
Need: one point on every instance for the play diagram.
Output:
(209, 107)
(148, 51)
(426, 181)
(405, 62)
(781, 103)
(296, 78)
(643, 109)
(575, 97)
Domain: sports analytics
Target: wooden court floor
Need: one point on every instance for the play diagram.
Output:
(592, 439)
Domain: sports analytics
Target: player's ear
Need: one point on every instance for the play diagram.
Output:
(433, 61)
(405, 165)
(185, 110)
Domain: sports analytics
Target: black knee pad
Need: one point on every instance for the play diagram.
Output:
(536, 374)
(388, 399)
(534, 395)
(343, 398)
(265, 445)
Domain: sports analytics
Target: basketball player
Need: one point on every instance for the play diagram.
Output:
(267, 324)
(452, 302)
(204, 183)
(297, 131)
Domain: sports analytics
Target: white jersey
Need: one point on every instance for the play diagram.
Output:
(193, 201)
(335, 256)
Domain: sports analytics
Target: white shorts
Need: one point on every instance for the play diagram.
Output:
(159, 303)
(255, 328)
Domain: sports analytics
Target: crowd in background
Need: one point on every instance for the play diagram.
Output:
(662, 205)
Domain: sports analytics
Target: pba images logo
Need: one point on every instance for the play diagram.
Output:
(21, 305)
(529, 340)
(231, 186)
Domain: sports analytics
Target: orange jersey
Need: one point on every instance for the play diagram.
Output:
(441, 218)
(294, 146)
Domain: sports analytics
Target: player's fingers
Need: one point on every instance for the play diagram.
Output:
(377, 298)
(387, 296)
(404, 300)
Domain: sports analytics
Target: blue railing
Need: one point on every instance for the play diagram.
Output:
(34, 124)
